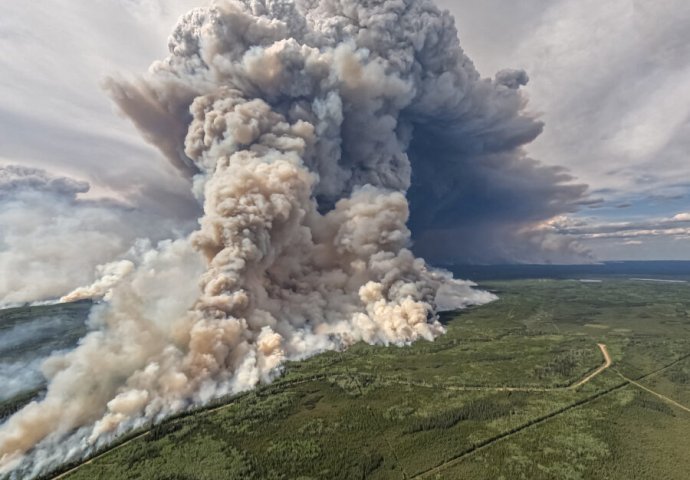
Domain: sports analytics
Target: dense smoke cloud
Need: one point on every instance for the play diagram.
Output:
(476, 196)
(305, 125)
(495, 209)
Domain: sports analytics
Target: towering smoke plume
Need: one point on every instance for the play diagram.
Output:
(297, 121)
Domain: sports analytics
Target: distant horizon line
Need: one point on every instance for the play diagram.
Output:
(520, 264)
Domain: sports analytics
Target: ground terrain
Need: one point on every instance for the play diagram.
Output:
(518, 389)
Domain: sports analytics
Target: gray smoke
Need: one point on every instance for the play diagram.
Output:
(304, 125)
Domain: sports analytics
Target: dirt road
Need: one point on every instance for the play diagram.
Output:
(607, 364)
(656, 394)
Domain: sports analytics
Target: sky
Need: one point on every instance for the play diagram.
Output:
(610, 80)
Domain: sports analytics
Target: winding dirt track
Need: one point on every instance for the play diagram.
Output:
(607, 364)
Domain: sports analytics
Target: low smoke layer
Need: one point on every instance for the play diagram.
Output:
(305, 125)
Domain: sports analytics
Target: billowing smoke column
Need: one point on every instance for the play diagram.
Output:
(295, 119)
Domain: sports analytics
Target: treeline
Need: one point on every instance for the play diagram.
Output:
(476, 410)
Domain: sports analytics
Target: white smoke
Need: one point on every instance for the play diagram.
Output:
(51, 238)
(295, 119)
(109, 275)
